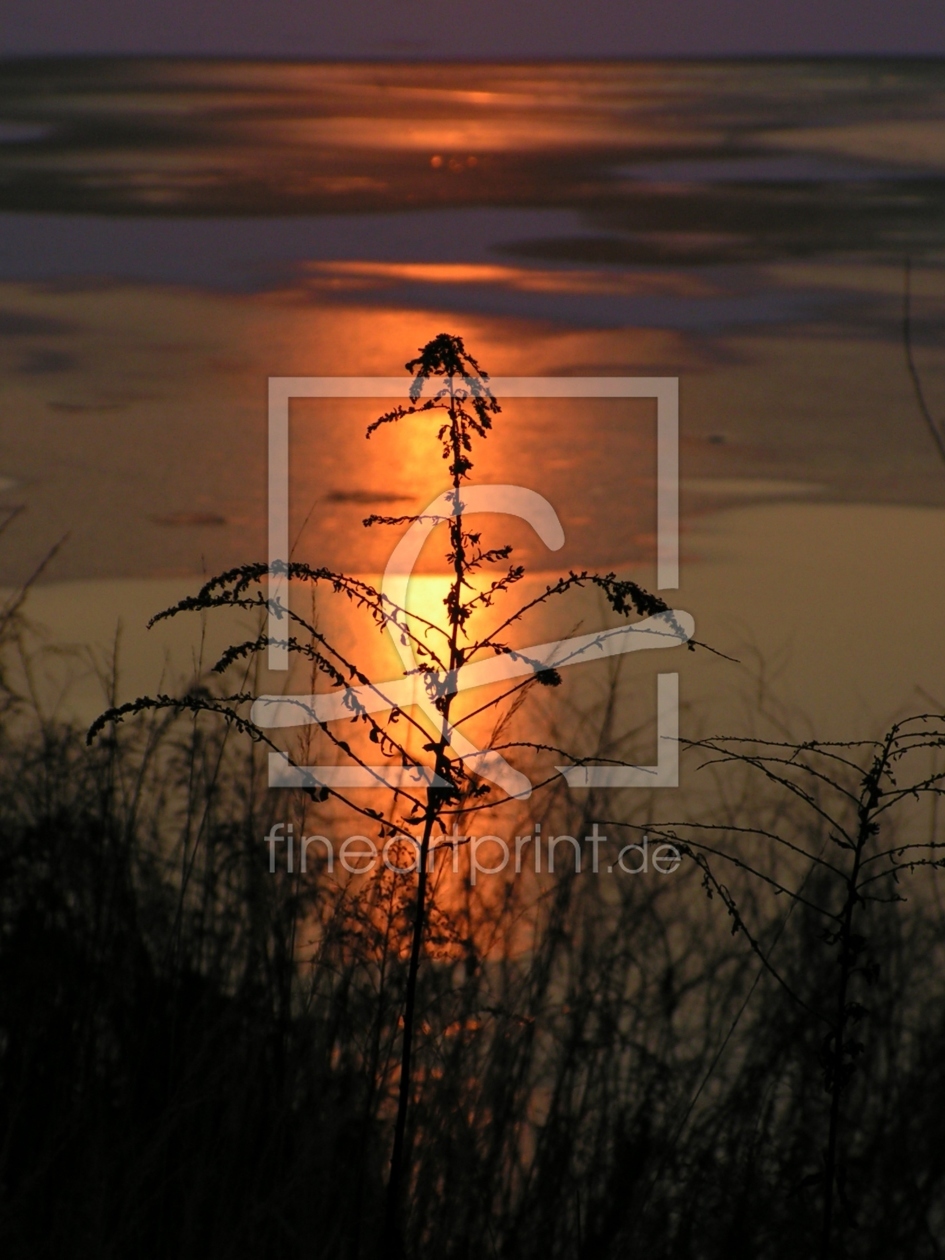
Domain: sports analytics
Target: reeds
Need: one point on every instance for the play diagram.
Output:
(202, 1057)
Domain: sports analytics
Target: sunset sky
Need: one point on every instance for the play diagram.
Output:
(472, 28)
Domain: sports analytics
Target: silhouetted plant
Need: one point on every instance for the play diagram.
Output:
(463, 407)
(849, 861)
(199, 1058)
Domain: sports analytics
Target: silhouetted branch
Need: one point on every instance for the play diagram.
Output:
(936, 430)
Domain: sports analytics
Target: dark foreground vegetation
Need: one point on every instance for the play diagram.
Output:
(201, 1058)
(172, 1084)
